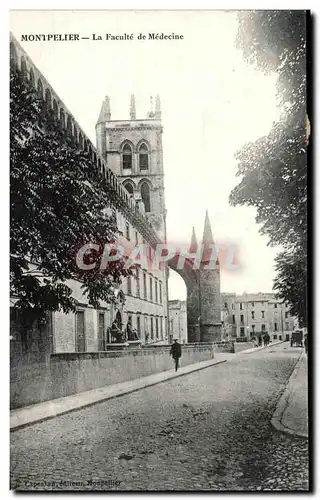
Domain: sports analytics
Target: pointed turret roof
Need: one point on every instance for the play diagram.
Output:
(207, 241)
(132, 108)
(193, 243)
(105, 113)
(207, 232)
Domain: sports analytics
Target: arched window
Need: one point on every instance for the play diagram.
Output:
(129, 187)
(143, 157)
(40, 88)
(127, 156)
(48, 99)
(13, 53)
(145, 195)
(31, 75)
(23, 67)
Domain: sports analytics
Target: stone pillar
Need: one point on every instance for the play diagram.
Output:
(193, 311)
(210, 306)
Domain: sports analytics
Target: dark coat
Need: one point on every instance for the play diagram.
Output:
(175, 350)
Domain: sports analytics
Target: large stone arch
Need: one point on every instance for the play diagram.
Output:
(203, 300)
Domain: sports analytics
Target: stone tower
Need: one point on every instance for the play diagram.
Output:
(210, 301)
(133, 149)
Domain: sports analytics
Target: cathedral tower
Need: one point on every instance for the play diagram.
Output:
(133, 149)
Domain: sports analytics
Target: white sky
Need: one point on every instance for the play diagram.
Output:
(212, 104)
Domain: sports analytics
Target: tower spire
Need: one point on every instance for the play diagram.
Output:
(132, 108)
(105, 113)
(207, 232)
(193, 243)
(158, 108)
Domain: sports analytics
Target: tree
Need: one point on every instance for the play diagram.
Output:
(273, 170)
(59, 202)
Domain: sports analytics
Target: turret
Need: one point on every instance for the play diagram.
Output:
(132, 108)
(104, 116)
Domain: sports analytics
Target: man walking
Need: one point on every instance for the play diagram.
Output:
(175, 352)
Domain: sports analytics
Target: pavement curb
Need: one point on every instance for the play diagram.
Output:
(276, 420)
(106, 397)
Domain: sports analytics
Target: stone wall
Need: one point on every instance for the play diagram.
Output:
(71, 373)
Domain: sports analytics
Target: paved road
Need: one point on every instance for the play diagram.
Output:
(209, 430)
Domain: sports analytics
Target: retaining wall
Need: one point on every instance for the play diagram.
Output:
(70, 373)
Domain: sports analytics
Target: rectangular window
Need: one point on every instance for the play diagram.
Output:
(263, 328)
(156, 290)
(157, 328)
(127, 230)
(253, 328)
(136, 237)
(276, 327)
(286, 314)
(160, 292)
(287, 326)
(241, 318)
(242, 331)
(241, 305)
(262, 314)
(226, 305)
(138, 327)
(252, 314)
(275, 337)
(232, 306)
(150, 281)
(233, 319)
(138, 281)
(101, 346)
(127, 160)
(144, 285)
(161, 327)
(275, 306)
(80, 332)
(129, 285)
(151, 324)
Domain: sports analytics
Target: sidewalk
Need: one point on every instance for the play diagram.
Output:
(29, 415)
(291, 415)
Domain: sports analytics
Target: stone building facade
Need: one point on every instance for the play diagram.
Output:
(252, 314)
(129, 158)
(178, 327)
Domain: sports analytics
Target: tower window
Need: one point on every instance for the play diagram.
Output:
(145, 195)
(127, 157)
(143, 157)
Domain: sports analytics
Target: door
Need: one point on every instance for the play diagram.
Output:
(80, 333)
(101, 344)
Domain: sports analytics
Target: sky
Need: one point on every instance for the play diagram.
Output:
(212, 103)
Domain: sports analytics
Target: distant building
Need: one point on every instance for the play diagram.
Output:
(252, 314)
(178, 321)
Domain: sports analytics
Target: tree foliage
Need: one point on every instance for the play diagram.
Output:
(59, 202)
(273, 169)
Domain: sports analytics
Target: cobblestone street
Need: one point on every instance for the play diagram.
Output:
(209, 430)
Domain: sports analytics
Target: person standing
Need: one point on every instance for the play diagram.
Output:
(175, 352)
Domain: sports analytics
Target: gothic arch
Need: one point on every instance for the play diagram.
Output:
(13, 53)
(126, 153)
(55, 108)
(129, 186)
(23, 67)
(145, 191)
(31, 76)
(48, 100)
(143, 152)
(62, 119)
(40, 88)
